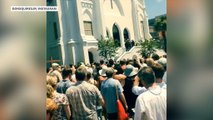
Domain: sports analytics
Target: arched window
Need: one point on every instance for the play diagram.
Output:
(116, 35)
(126, 34)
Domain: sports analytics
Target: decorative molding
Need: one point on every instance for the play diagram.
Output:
(88, 5)
(92, 48)
(71, 41)
(87, 12)
(88, 37)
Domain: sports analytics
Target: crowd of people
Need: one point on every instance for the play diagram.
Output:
(90, 91)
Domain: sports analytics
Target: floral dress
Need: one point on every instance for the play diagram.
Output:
(61, 100)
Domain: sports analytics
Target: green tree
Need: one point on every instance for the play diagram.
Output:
(148, 47)
(107, 48)
(161, 27)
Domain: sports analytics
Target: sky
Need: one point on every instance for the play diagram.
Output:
(155, 8)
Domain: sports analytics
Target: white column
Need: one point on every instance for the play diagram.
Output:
(86, 54)
(98, 14)
(80, 50)
(72, 54)
(62, 28)
(79, 17)
(122, 39)
(146, 26)
(135, 20)
(138, 21)
(146, 23)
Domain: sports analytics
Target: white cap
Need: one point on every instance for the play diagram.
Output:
(162, 61)
(55, 64)
(102, 72)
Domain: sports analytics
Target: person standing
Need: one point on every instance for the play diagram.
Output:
(84, 97)
(130, 72)
(159, 72)
(56, 71)
(51, 106)
(128, 44)
(108, 90)
(64, 84)
(151, 104)
(63, 111)
(133, 43)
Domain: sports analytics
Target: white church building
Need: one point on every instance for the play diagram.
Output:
(73, 31)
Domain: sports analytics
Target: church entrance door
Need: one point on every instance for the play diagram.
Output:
(91, 59)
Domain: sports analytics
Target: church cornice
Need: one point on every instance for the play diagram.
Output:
(89, 40)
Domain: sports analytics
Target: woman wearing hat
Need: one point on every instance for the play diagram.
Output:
(130, 72)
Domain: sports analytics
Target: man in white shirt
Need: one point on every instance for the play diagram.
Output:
(151, 104)
(159, 73)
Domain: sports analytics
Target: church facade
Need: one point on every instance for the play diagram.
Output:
(73, 32)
